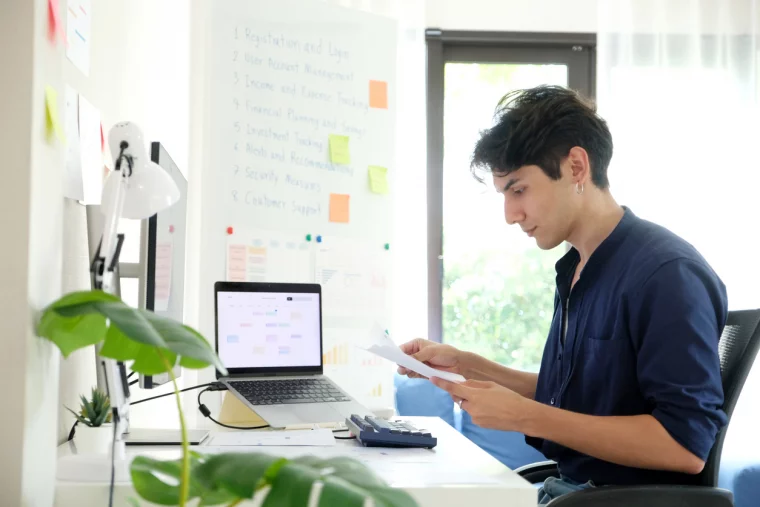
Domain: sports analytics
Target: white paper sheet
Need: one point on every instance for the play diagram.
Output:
(78, 22)
(384, 347)
(319, 437)
(92, 155)
(72, 178)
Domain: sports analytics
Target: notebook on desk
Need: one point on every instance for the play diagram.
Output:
(269, 338)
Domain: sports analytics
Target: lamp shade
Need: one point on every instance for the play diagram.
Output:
(149, 190)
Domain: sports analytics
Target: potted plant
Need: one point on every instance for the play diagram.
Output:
(156, 344)
(94, 432)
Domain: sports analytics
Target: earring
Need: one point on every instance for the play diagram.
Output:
(579, 189)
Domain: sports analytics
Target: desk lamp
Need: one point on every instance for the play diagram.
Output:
(137, 188)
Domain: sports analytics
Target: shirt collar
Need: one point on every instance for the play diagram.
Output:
(602, 253)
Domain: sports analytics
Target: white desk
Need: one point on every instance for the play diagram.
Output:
(456, 472)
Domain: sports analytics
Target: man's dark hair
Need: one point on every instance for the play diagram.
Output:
(539, 126)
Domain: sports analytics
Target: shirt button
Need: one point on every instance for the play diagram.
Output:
(559, 357)
(551, 401)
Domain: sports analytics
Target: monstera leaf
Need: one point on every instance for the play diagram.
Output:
(87, 318)
(225, 478)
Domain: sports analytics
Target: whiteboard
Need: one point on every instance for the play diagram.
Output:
(298, 166)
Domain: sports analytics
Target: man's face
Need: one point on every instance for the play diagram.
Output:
(543, 208)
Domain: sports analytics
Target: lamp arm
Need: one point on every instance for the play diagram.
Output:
(112, 372)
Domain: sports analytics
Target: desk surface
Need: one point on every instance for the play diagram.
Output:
(455, 472)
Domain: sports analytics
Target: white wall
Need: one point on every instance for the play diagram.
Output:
(513, 15)
(30, 260)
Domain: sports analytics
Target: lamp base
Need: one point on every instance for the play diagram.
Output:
(152, 436)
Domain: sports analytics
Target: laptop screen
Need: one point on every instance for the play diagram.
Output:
(268, 329)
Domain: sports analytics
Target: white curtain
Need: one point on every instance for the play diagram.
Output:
(678, 84)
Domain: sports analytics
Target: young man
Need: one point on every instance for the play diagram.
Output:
(629, 390)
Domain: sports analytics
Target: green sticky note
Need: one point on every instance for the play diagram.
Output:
(339, 153)
(378, 179)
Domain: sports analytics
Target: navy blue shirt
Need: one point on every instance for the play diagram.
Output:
(642, 335)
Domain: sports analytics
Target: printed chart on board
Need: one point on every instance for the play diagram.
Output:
(355, 280)
(268, 256)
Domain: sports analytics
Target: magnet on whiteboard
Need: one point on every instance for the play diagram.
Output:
(229, 230)
(387, 246)
(319, 239)
(308, 237)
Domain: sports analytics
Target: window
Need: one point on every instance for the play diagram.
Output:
(491, 288)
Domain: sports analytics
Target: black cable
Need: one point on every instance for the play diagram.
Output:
(213, 384)
(134, 382)
(207, 413)
(130, 375)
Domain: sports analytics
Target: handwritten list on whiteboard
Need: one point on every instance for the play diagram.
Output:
(301, 111)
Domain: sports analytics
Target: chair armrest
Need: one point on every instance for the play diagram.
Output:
(646, 496)
(538, 472)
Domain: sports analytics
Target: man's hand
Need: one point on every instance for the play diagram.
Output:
(435, 355)
(489, 404)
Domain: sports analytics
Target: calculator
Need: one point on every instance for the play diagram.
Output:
(375, 432)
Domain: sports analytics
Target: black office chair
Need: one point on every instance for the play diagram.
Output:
(738, 347)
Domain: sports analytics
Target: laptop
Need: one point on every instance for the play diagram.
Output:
(269, 338)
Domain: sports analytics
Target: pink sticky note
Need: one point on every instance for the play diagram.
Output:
(53, 21)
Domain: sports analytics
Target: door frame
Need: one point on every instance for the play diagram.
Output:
(576, 50)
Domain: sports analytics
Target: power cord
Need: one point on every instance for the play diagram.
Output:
(213, 384)
(207, 413)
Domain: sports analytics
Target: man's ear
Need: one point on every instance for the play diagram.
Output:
(577, 160)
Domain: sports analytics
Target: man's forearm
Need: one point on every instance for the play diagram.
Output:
(479, 368)
(637, 441)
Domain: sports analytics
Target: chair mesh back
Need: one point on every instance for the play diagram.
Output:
(737, 349)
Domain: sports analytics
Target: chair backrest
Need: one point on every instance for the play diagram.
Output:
(738, 347)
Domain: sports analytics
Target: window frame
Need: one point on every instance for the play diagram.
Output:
(576, 50)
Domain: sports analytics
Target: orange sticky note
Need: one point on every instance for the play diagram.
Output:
(339, 208)
(378, 94)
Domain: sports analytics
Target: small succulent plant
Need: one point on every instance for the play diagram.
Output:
(94, 412)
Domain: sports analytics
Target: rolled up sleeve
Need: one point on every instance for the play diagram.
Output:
(677, 317)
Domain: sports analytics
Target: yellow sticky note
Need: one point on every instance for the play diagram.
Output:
(339, 153)
(378, 179)
(339, 208)
(52, 122)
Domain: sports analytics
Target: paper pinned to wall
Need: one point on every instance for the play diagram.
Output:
(72, 177)
(78, 22)
(268, 256)
(91, 153)
(163, 275)
(354, 278)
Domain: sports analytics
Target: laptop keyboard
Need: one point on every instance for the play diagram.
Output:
(277, 392)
